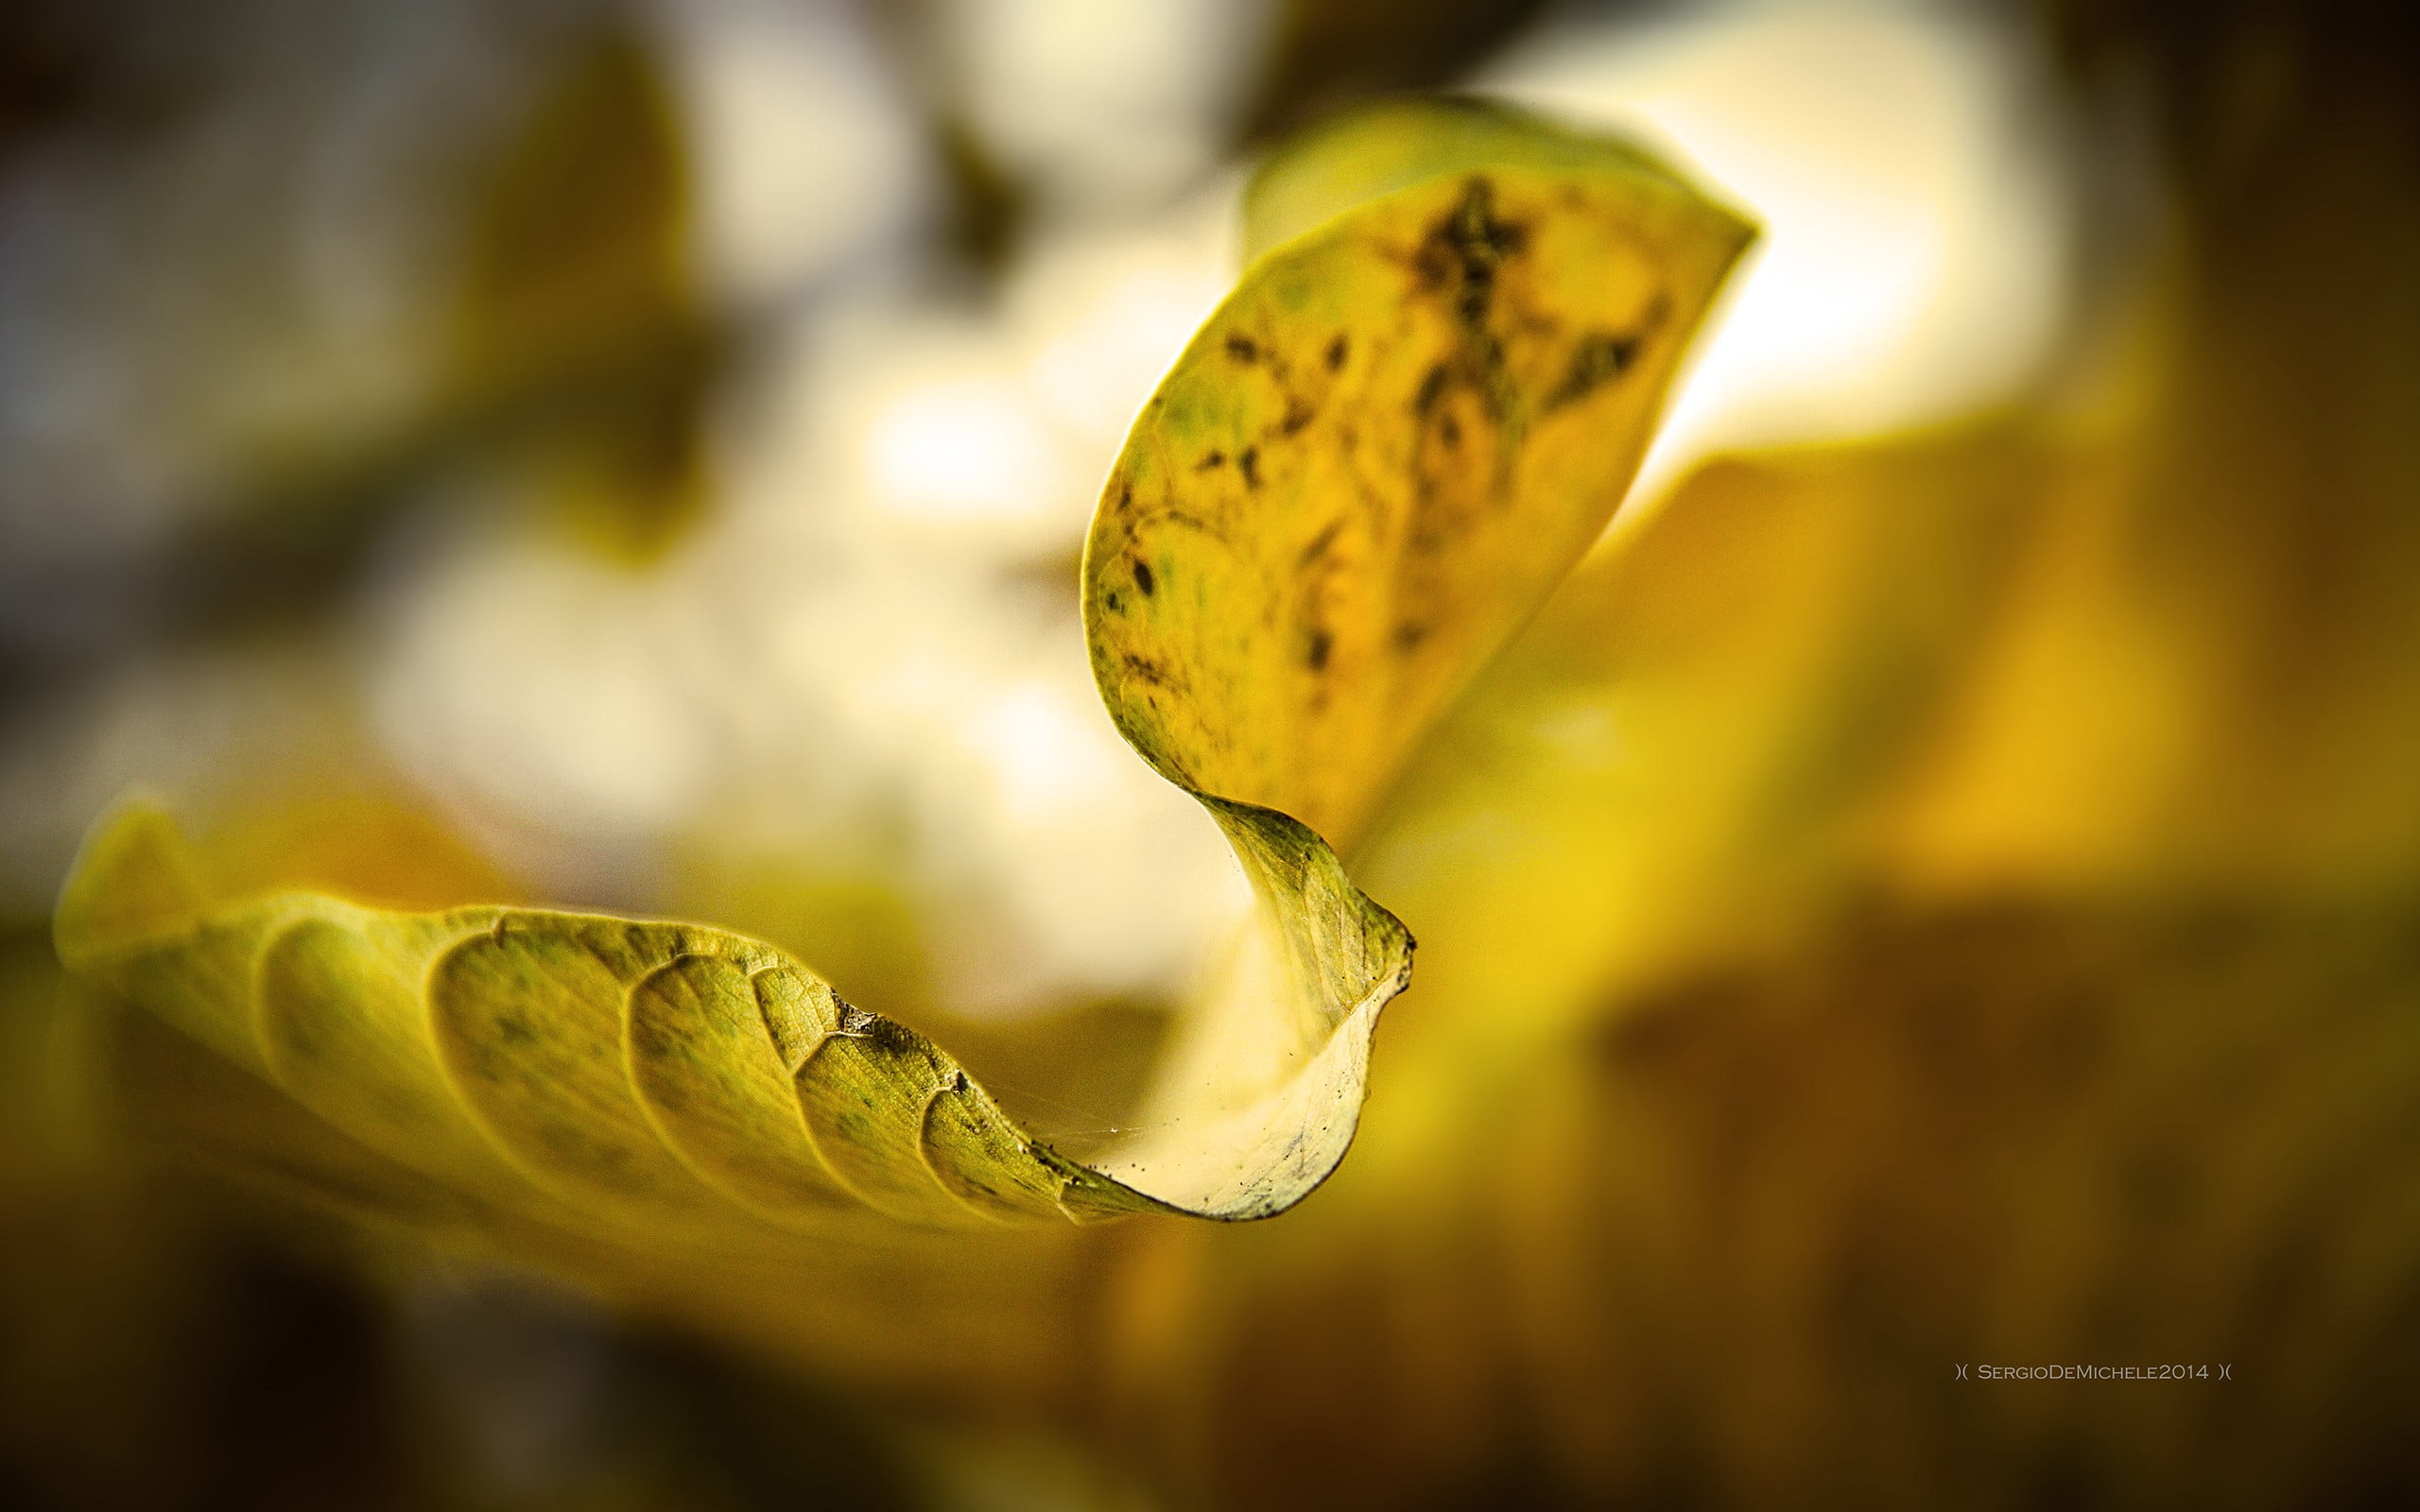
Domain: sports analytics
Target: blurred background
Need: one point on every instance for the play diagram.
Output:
(1948, 868)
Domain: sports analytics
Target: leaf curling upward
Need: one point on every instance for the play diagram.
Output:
(1361, 478)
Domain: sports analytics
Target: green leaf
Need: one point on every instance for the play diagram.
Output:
(1364, 475)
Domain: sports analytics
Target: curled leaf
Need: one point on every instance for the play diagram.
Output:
(1360, 480)
(647, 1073)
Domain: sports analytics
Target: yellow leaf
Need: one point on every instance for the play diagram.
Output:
(1364, 475)
(1702, 730)
(1394, 144)
(1378, 456)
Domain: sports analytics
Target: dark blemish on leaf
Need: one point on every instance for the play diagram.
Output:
(1298, 415)
(1248, 465)
(1602, 356)
(1112, 603)
(1471, 308)
(958, 1081)
(1468, 245)
(1211, 459)
(1316, 656)
(1460, 256)
(1450, 433)
(1146, 669)
(1176, 517)
(515, 1032)
(1599, 359)
(1432, 388)
(1242, 349)
(1319, 543)
(1408, 637)
(1126, 495)
(1335, 350)
(1143, 578)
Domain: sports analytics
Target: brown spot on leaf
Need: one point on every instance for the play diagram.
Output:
(1298, 415)
(1180, 519)
(1315, 655)
(1408, 637)
(1146, 669)
(1143, 578)
(1319, 543)
(1242, 347)
(1213, 458)
(1466, 248)
(1602, 356)
(1432, 388)
(1599, 358)
(1248, 465)
(1335, 350)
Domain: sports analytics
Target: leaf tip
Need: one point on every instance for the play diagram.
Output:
(133, 877)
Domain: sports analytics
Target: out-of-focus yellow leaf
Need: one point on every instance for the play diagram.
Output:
(1363, 475)
(1705, 725)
